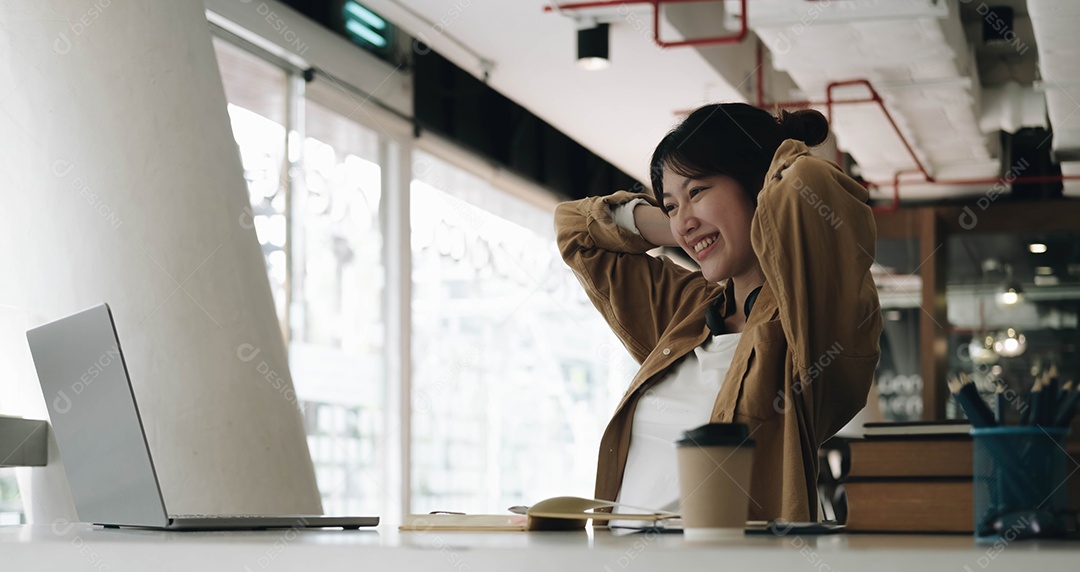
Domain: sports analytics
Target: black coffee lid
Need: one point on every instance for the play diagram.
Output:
(713, 434)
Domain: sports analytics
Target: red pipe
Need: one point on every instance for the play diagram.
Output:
(875, 97)
(585, 5)
(802, 104)
(791, 105)
(829, 102)
(881, 103)
(927, 177)
(920, 168)
(895, 204)
(1021, 180)
(993, 180)
(714, 41)
(656, 4)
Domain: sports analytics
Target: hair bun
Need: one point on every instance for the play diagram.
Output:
(806, 125)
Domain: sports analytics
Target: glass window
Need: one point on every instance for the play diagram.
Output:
(515, 373)
(336, 352)
(899, 378)
(11, 509)
(1013, 304)
(256, 92)
(330, 305)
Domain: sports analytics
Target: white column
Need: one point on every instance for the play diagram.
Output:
(395, 217)
(121, 182)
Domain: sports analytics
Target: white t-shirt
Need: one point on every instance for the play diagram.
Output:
(682, 400)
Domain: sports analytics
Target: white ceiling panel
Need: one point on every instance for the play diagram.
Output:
(922, 69)
(619, 113)
(915, 52)
(1055, 24)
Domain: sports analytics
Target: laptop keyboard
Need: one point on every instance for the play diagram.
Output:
(233, 516)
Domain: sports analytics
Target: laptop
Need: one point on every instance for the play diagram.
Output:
(96, 421)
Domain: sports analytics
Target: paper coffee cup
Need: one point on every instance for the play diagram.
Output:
(714, 463)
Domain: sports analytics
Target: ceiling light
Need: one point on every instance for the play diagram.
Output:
(592, 47)
(1044, 270)
(1037, 247)
(981, 349)
(1010, 343)
(991, 265)
(1010, 293)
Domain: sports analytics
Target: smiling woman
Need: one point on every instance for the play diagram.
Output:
(781, 286)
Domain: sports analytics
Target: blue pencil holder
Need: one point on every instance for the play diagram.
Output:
(1020, 489)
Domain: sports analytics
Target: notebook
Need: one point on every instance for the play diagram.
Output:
(558, 513)
(917, 428)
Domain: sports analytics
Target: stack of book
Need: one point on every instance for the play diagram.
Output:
(911, 477)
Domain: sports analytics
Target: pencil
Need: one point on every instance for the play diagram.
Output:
(974, 407)
(972, 392)
(1036, 403)
(1025, 414)
(999, 403)
(1069, 399)
(1050, 400)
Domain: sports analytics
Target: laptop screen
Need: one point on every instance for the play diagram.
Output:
(96, 421)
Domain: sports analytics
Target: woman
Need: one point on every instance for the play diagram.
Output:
(779, 329)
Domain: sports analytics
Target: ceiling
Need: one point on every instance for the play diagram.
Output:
(949, 89)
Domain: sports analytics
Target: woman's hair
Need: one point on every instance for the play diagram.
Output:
(733, 139)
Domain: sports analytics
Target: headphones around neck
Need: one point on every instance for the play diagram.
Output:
(715, 321)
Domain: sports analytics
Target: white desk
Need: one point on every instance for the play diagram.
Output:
(83, 547)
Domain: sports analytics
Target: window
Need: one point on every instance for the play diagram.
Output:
(336, 352)
(1009, 341)
(515, 374)
(326, 274)
(11, 509)
(256, 92)
(898, 378)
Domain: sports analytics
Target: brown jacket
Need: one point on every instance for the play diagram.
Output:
(808, 352)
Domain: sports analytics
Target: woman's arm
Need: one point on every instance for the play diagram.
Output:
(654, 225)
(815, 239)
(639, 295)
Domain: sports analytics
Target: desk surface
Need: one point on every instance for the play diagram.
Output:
(67, 547)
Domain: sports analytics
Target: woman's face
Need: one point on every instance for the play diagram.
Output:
(710, 218)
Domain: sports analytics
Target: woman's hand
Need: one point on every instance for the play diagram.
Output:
(654, 225)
